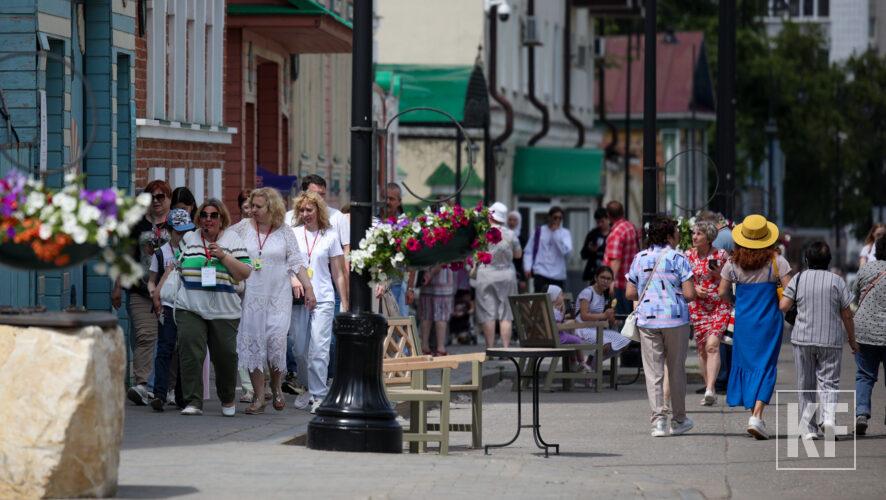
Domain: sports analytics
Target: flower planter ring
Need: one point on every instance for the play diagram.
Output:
(89, 98)
(461, 130)
(708, 162)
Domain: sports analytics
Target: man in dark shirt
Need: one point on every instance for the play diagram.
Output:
(594, 247)
(150, 234)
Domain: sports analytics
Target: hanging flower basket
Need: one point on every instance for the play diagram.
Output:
(23, 256)
(43, 228)
(456, 249)
(453, 236)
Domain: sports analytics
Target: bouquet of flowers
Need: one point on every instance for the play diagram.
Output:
(53, 222)
(386, 249)
(685, 225)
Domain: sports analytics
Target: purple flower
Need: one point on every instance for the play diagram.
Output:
(103, 199)
(10, 232)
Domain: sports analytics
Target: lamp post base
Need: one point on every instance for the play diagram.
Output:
(356, 414)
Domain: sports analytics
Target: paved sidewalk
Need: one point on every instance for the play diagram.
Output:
(605, 450)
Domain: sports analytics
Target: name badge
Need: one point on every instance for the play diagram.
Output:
(257, 264)
(207, 276)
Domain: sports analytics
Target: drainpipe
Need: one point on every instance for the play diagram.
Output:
(567, 76)
(493, 79)
(545, 118)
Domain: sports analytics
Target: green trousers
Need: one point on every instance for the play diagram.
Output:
(195, 334)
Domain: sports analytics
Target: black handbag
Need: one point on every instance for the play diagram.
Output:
(791, 315)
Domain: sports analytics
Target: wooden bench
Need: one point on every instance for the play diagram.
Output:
(402, 343)
(536, 327)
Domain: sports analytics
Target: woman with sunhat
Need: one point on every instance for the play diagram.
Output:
(497, 280)
(758, 273)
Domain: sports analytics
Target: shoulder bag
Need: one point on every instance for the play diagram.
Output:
(867, 289)
(630, 328)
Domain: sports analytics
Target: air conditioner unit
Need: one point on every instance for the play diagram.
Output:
(530, 32)
(599, 47)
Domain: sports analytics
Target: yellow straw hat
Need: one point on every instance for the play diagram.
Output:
(755, 232)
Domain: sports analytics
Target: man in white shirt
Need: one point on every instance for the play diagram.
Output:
(544, 258)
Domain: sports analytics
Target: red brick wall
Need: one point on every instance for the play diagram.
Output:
(176, 154)
(269, 117)
(234, 177)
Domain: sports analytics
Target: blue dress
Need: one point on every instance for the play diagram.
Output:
(757, 342)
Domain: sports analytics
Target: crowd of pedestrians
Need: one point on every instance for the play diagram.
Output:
(256, 300)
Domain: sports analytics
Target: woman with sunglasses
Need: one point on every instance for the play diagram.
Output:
(150, 234)
(594, 304)
(312, 329)
(213, 261)
(278, 264)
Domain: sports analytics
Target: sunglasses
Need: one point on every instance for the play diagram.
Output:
(159, 197)
(210, 215)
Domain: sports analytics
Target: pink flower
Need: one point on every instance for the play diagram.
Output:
(493, 235)
(456, 266)
(484, 257)
(413, 245)
(475, 244)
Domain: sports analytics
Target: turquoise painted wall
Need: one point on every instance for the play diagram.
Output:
(53, 24)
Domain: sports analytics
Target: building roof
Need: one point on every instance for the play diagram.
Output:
(676, 82)
(443, 175)
(302, 26)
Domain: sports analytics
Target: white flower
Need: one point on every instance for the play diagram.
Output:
(399, 257)
(88, 213)
(34, 202)
(371, 249)
(64, 201)
(101, 237)
(79, 235)
(71, 178)
(45, 231)
(143, 199)
(416, 227)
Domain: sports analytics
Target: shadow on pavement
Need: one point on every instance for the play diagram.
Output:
(153, 491)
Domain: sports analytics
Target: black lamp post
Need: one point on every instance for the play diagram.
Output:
(650, 168)
(356, 414)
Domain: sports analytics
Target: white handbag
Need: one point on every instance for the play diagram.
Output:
(630, 328)
(169, 289)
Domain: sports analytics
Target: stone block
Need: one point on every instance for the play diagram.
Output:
(61, 411)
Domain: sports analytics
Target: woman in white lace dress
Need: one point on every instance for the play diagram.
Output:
(278, 264)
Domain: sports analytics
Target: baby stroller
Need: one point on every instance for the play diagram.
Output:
(461, 327)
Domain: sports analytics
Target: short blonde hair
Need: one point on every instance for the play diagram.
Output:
(319, 204)
(275, 204)
(224, 215)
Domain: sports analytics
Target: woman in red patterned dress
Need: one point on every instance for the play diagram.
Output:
(709, 314)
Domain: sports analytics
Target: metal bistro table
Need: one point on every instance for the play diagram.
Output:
(535, 355)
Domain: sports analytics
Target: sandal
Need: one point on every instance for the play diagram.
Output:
(247, 397)
(441, 353)
(427, 352)
(255, 408)
(279, 402)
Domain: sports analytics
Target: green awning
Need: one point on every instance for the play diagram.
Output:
(441, 87)
(295, 8)
(557, 171)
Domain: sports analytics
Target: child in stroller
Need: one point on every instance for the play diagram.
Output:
(461, 326)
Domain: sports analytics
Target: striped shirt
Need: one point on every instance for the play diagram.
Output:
(210, 302)
(820, 296)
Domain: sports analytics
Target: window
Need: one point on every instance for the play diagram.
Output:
(824, 8)
(808, 8)
(185, 60)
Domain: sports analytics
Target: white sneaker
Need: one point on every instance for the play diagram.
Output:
(229, 411)
(811, 436)
(139, 395)
(678, 428)
(303, 401)
(710, 398)
(191, 410)
(315, 404)
(757, 428)
(660, 428)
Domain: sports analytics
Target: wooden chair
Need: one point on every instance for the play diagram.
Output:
(402, 343)
(536, 327)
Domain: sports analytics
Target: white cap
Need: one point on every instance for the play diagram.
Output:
(499, 212)
(554, 291)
